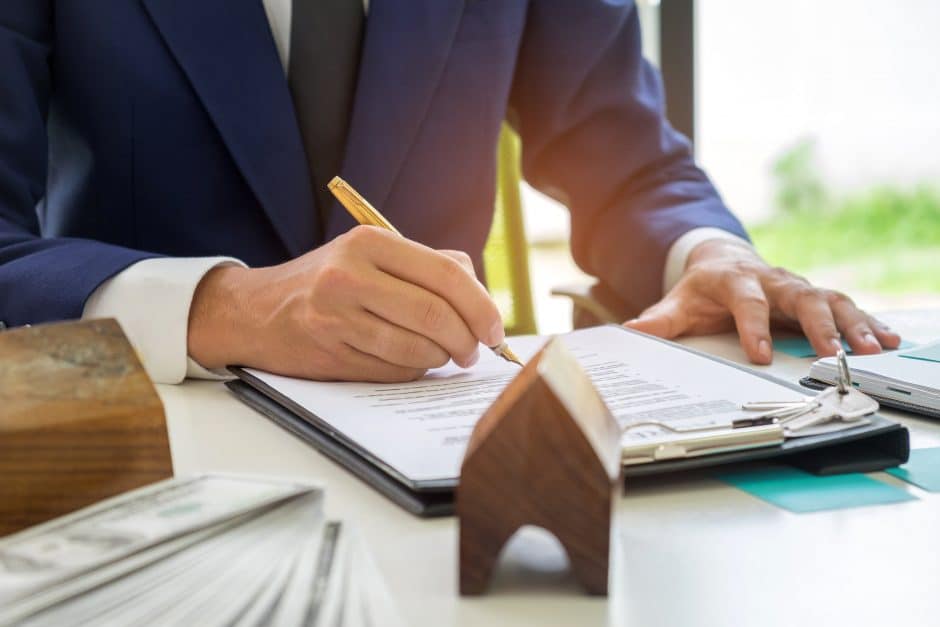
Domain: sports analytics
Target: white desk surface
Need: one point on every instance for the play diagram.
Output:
(687, 552)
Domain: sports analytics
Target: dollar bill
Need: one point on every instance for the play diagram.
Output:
(115, 529)
(210, 550)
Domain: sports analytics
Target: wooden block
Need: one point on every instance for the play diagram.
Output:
(79, 421)
(546, 453)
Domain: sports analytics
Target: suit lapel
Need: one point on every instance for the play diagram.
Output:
(404, 53)
(227, 52)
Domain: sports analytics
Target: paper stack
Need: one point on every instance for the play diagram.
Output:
(207, 550)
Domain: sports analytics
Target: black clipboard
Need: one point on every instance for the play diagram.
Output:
(875, 446)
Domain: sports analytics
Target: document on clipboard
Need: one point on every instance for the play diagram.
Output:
(674, 404)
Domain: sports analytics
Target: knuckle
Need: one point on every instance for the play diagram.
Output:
(731, 273)
(827, 328)
(753, 301)
(363, 232)
(805, 294)
(348, 239)
(464, 260)
(333, 277)
(362, 236)
(835, 298)
(782, 277)
(745, 267)
(704, 276)
(432, 315)
(414, 349)
(694, 274)
(452, 270)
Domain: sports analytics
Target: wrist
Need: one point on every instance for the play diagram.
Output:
(721, 248)
(215, 317)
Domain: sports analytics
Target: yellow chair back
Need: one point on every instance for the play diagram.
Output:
(506, 255)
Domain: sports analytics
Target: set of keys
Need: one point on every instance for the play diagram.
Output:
(843, 402)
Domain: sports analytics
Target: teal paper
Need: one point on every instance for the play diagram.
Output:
(922, 469)
(800, 347)
(930, 352)
(800, 492)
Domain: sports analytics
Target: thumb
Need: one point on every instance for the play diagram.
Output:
(665, 319)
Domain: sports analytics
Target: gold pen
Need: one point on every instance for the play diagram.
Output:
(364, 213)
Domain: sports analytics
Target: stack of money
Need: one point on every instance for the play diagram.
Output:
(206, 550)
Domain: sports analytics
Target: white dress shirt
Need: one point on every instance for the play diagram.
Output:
(151, 298)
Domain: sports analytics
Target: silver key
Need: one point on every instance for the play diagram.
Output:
(842, 402)
(780, 411)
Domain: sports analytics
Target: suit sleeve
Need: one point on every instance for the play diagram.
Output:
(590, 111)
(41, 279)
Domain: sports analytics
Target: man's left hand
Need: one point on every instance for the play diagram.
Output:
(727, 285)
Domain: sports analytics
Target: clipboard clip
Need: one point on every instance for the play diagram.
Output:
(772, 424)
(708, 441)
(842, 402)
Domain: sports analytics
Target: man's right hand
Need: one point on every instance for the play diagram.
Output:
(368, 306)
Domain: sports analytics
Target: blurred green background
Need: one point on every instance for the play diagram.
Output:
(880, 244)
(885, 239)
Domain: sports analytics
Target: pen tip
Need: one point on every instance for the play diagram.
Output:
(503, 350)
(511, 356)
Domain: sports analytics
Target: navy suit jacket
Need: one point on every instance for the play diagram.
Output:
(137, 128)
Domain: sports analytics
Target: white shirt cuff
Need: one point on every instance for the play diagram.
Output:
(678, 255)
(151, 300)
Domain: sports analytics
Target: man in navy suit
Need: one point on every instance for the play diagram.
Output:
(164, 162)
